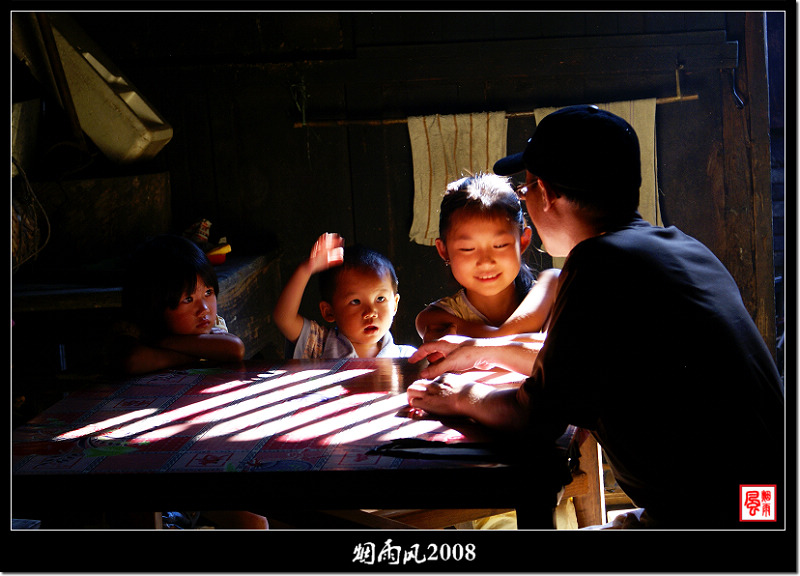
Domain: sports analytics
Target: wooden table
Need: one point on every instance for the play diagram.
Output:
(262, 436)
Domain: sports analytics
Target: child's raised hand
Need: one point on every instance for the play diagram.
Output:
(328, 251)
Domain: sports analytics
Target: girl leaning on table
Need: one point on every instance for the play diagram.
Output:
(169, 299)
(483, 235)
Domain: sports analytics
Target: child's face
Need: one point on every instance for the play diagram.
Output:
(484, 252)
(363, 307)
(196, 313)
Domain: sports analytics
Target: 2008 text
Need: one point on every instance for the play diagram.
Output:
(367, 553)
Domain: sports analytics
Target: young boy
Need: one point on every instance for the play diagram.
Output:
(359, 295)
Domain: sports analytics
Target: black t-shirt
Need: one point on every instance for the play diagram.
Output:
(651, 348)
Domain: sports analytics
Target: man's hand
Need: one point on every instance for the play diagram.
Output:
(502, 408)
(442, 396)
(459, 353)
(451, 354)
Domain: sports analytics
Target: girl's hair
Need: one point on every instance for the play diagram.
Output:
(158, 274)
(356, 257)
(486, 195)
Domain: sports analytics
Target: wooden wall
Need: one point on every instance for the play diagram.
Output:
(280, 132)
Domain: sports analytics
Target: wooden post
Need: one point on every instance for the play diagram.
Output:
(747, 208)
(590, 506)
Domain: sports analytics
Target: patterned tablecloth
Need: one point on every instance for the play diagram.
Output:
(248, 417)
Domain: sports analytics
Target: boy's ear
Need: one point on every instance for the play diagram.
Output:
(525, 239)
(327, 311)
(441, 249)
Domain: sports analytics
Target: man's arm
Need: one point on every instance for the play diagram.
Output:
(455, 354)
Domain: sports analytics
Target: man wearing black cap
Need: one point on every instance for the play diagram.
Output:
(650, 347)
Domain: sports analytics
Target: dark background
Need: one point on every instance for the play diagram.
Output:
(281, 133)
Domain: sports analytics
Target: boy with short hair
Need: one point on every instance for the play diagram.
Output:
(359, 295)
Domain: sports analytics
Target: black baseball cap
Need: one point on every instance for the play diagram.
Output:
(582, 148)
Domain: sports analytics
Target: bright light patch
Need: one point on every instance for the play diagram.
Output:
(210, 404)
(372, 422)
(363, 414)
(255, 419)
(234, 424)
(282, 423)
(409, 428)
(225, 387)
(262, 395)
(244, 409)
(161, 433)
(104, 425)
(503, 377)
(233, 384)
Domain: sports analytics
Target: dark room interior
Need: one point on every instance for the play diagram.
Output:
(276, 127)
(288, 125)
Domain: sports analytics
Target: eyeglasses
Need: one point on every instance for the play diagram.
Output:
(523, 189)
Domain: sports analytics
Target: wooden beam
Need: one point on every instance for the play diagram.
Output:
(390, 121)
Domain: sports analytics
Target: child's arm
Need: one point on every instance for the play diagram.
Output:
(534, 310)
(135, 357)
(219, 346)
(530, 316)
(433, 323)
(179, 349)
(327, 252)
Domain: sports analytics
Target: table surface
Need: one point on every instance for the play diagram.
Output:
(230, 435)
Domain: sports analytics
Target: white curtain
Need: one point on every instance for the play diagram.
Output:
(641, 114)
(444, 149)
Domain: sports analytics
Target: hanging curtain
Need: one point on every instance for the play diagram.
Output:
(641, 114)
(444, 149)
